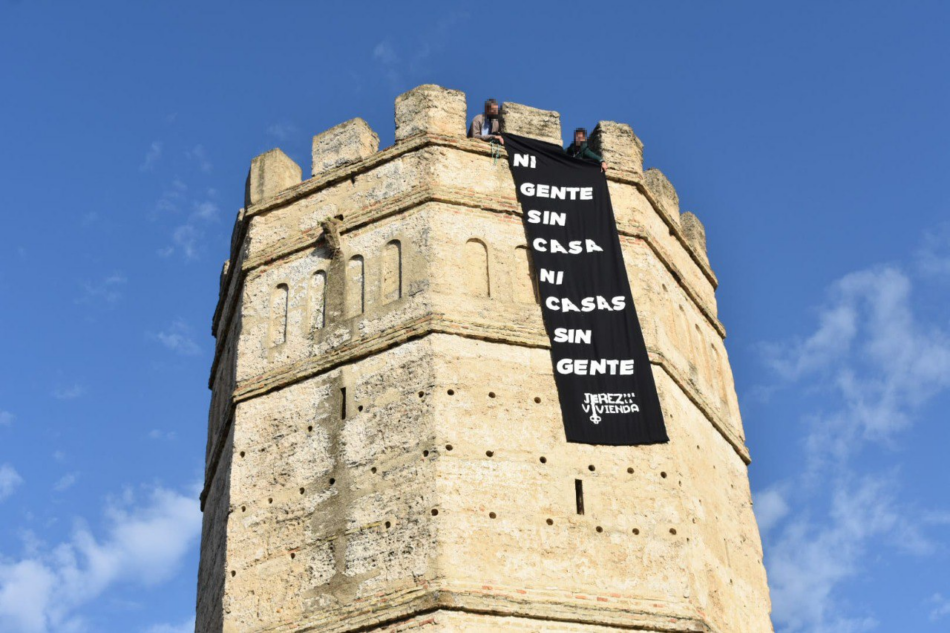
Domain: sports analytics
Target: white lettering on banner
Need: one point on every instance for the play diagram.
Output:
(608, 403)
(551, 276)
(551, 218)
(556, 193)
(525, 160)
(561, 214)
(571, 335)
(588, 304)
(595, 367)
(574, 247)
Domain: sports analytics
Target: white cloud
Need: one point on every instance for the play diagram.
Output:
(172, 198)
(770, 508)
(813, 557)
(188, 626)
(383, 52)
(937, 517)
(200, 155)
(70, 392)
(107, 291)
(206, 210)
(65, 482)
(874, 353)
(152, 156)
(6, 418)
(941, 607)
(864, 372)
(933, 256)
(179, 339)
(186, 238)
(158, 434)
(283, 131)
(25, 589)
(144, 544)
(427, 45)
(10, 480)
(831, 340)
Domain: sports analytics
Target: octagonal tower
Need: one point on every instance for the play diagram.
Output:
(385, 447)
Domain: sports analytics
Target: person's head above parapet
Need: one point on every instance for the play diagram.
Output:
(580, 135)
(491, 108)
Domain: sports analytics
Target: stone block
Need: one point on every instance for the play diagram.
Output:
(619, 146)
(223, 277)
(345, 144)
(694, 231)
(662, 191)
(237, 233)
(270, 173)
(544, 125)
(430, 108)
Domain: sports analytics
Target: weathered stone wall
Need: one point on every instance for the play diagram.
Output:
(212, 568)
(331, 492)
(385, 446)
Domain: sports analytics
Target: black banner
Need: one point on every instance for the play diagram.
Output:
(603, 374)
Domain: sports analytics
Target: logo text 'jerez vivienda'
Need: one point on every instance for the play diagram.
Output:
(601, 367)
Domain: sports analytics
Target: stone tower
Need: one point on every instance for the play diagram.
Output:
(385, 448)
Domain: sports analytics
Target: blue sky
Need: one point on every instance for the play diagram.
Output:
(812, 139)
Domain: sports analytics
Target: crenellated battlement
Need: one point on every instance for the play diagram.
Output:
(432, 115)
(436, 111)
(385, 447)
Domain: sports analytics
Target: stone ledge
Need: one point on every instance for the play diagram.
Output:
(509, 334)
(430, 597)
(433, 323)
(437, 323)
(446, 195)
(399, 203)
(211, 467)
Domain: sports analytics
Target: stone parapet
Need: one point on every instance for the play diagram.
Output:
(619, 146)
(522, 120)
(430, 109)
(270, 173)
(345, 144)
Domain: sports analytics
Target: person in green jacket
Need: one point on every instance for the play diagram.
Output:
(580, 149)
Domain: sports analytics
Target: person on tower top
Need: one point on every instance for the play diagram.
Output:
(580, 149)
(487, 127)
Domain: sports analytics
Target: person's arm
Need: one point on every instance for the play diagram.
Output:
(496, 131)
(591, 154)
